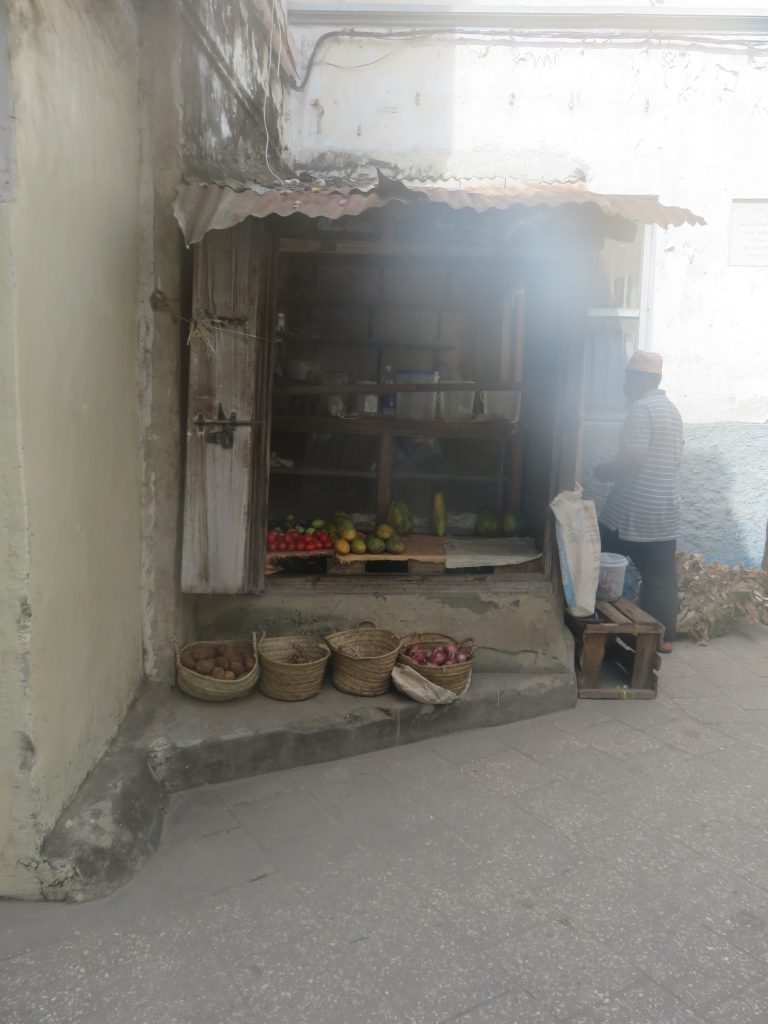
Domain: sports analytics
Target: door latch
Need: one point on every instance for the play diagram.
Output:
(224, 435)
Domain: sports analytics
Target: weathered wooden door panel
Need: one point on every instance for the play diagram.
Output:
(229, 374)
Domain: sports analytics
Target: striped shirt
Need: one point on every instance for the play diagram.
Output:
(645, 506)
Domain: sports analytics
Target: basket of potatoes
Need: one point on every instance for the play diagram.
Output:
(217, 669)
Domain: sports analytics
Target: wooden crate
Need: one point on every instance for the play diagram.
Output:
(622, 632)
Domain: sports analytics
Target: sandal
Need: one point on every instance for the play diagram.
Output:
(665, 648)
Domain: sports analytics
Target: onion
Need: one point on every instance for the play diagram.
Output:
(438, 658)
(461, 657)
(452, 650)
(450, 661)
(414, 650)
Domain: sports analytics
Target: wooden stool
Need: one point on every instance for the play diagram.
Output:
(619, 631)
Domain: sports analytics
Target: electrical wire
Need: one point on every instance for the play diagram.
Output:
(267, 89)
(626, 39)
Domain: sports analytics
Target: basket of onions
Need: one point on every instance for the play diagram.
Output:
(440, 659)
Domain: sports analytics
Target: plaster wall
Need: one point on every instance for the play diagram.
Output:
(689, 125)
(71, 483)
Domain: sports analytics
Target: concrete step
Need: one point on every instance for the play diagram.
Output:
(199, 743)
(170, 742)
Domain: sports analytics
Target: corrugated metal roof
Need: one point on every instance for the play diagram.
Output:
(200, 208)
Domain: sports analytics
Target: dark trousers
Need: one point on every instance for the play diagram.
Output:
(655, 562)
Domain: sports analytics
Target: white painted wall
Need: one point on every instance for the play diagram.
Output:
(687, 125)
(70, 607)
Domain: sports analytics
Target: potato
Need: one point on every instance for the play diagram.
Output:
(249, 662)
(218, 673)
(188, 659)
(205, 666)
(206, 652)
(222, 663)
(229, 675)
(237, 667)
(220, 648)
(232, 654)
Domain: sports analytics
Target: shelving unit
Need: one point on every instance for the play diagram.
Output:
(353, 309)
(498, 432)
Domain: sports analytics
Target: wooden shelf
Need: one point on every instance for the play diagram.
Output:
(360, 474)
(489, 430)
(388, 389)
(367, 343)
(496, 478)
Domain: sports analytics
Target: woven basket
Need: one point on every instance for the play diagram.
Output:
(363, 659)
(205, 687)
(450, 677)
(281, 679)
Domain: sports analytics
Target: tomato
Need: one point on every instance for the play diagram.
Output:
(301, 545)
(282, 546)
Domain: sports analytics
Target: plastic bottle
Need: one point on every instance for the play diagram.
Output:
(387, 401)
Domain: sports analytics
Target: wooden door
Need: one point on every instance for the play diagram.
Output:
(230, 371)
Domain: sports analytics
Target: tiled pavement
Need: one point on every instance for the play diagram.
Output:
(606, 865)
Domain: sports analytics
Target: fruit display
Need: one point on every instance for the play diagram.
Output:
(294, 537)
(438, 655)
(439, 515)
(219, 661)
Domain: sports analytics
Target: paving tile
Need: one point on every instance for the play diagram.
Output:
(699, 966)
(197, 813)
(317, 981)
(428, 972)
(460, 747)
(752, 698)
(248, 918)
(749, 1007)
(639, 713)
(565, 806)
(280, 817)
(619, 739)
(586, 713)
(593, 769)
(47, 986)
(515, 1007)
(586, 970)
(510, 773)
(540, 740)
(713, 710)
(629, 844)
(25, 925)
(644, 1003)
(691, 736)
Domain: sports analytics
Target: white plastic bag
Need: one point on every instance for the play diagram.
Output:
(578, 541)
(414, 685)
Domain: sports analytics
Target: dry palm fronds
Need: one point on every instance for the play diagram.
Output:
(712, 596)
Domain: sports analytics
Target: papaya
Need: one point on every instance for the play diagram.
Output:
(488, 522)
(439, 515)
(400, 518)
(358, 546)
(512, 524)
(395, 546)
(375, 546)
(384, 531)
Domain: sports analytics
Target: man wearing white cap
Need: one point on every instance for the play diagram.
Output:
(641, 518)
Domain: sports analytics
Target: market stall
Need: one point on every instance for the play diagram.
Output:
(385, 388)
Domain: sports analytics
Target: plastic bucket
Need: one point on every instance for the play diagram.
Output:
(611, 581)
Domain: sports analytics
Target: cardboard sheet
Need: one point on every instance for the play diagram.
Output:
(472, 552)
